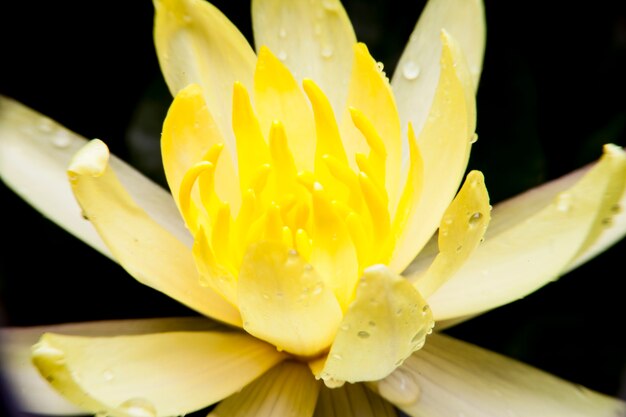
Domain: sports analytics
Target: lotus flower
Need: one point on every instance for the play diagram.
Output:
(310, 187)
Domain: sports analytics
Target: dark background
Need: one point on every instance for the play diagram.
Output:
(553, 91)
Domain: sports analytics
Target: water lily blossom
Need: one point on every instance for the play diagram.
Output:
(320, 217)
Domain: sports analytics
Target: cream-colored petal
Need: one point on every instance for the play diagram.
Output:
(189, 132)
(449, 377)
(462, 229)
(415, 79)
(33, 147)
(352, 400)
(32, 393)
(534, 245)
(286, 390)
(158, 374)
(313, 38)
(197, 44)
(283, 300)
(148, 252)
(387, 321)
(444, 143)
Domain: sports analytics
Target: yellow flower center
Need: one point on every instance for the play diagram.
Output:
(295, 230)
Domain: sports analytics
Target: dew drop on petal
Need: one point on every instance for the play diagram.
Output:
(282, 55)
(411, 70)
(108, 375)
(330, 6)
(564, 202)
(400, 387)
(363, 334)
(327, 52)
(61, 140)
(474, 138)
(282, 33)
(475, 218)
(45, 125)
(138, 407)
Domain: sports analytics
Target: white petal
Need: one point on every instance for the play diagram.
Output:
(417, 72)
(450, 378)
(32, 393)
(33, 147)
(534, 241)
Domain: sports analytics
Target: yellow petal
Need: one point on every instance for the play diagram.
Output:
(449, 377)
(313, 38)
(189, 133)
(278, 96)
(444, 143)
(197, 44)
(352, 401)
(528, 251)
(283, 300)
(415, 79)
(333, 254)
(32, 393)
(284, 391)
(462, 228)
(369, 93)
(387, 321)
(405, 224)
(147, 251)
(159, 374)
(252, 150)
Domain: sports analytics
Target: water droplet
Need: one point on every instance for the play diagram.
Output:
(327, 52)
(399, 311)
(282, 55)
(475, 218)
(372, 323)
(474, 138)
(61, 140)
(607, 221)
(337, 356)
(330, 5)
(564, 202)
(108, 375)
(45, 125)
(616, 208)
(282, 33)
(411, 70)
(425, 310)
(459, 248)
(363, 334)
(400, 387)
(265, 296)
(138, 407)
(333, 383)
(317, 289)
(345, 327)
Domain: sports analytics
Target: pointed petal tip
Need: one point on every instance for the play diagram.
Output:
(91, 160)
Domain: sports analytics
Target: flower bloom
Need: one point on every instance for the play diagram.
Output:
(311, 187)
